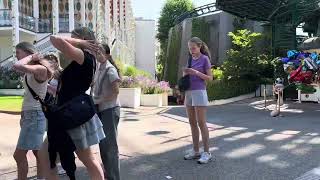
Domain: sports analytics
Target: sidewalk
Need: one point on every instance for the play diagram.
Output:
(247, 144)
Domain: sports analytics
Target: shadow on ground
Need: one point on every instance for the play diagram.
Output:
(247, 144)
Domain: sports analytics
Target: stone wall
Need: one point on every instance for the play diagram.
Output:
(213, 29)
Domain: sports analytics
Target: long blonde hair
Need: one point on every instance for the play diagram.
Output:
(51, 62)
(202, 45)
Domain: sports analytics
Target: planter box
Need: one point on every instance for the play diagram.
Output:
(130, 97)
(314, 97)
(154, 100)
(165, 99)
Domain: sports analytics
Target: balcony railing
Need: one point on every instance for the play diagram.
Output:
(28, 23)
(34, 24)
(63, 22)
(45, 26)
(5, 18)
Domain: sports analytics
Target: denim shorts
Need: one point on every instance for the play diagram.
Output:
(196, 98)
(88, 134)
(33, 126)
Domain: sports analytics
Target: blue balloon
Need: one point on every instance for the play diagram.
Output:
(292, 53)
(314, 56)
(285, 60)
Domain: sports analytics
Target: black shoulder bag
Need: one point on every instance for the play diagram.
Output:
(184, 82)
(71, 114)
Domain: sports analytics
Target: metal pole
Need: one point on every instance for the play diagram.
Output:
(265, 96)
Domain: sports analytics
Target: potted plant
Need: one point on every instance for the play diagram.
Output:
(164, 89)
(129, 92)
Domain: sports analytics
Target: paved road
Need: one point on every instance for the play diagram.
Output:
(247, 143)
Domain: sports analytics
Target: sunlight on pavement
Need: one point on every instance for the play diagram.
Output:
(264, 130)
(236, 128)
(282, 135)
(279, 164)
(312, 134)
(288, 146)
(245, 151)
(301, 151)
(315, 140)
(283, 108)
(272, 161)
(289, 132)
(267, 158)
(245, 135)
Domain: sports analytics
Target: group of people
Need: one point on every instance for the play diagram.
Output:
(91, 66)
(45, 77)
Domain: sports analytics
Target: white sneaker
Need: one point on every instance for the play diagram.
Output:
(205, 158)
(60, 170)
(192, 155)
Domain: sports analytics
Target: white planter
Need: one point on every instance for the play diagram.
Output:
(314, 97)
(130, 97)
(165, 99)
(154, 100)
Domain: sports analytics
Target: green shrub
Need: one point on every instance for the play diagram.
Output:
(217, 73)
(222, 89)
(132, 71)
(121, 66)
(173, 55)
(201, 29)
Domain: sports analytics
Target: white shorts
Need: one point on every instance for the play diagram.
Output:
(196, 98)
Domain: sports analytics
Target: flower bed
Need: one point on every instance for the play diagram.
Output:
(145, 90)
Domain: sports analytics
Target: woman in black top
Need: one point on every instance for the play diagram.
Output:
(75, 80)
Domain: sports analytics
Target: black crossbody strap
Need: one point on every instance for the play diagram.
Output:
(34, 94)
(190, 62)
(94, 69)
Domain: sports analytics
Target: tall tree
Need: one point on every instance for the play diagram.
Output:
(169, 13)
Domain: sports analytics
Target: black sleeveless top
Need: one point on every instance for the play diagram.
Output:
(76, 79)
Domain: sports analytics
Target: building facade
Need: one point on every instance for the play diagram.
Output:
(35, 20)
(146, 45)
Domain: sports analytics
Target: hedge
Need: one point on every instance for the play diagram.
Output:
(201, 29)
(173, 55)
(222, 89)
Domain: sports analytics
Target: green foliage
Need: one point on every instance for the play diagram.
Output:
(244, 68)
(244, 62)
(244, 39)
(217, 73)
(121, 66)
(238, 23)
(170, 11)
(10, 79)
(172, 63)
(159, 71)
(201, 29)
(224, 89)
(11, 103)
(132, 71)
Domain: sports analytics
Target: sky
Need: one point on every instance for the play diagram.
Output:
(150, 9)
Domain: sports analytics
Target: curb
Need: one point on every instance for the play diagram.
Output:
(10, 112)
(232, 100)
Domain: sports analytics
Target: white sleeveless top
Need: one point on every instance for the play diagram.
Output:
(29, 103)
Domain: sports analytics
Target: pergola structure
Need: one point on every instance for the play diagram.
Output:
(284, 16)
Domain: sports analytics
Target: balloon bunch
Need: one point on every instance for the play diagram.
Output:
(302, 69)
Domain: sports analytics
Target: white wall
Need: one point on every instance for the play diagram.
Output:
(146, 45)
(5, 47)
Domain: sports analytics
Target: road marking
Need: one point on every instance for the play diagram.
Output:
(311, 175)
